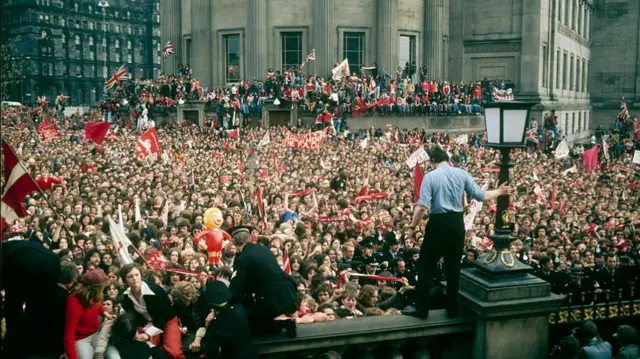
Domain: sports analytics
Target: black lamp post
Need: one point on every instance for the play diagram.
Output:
(506, 125)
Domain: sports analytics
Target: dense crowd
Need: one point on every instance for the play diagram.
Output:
(579, 230)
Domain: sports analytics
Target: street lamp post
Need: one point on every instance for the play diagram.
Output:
(506, 127)
(104, 4)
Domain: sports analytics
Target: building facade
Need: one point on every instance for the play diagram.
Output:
(73, 46)
(543, 46)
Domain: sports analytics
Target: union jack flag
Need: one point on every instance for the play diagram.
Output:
(311, 56)
(532, 135)
(168, 49)
(117, 76)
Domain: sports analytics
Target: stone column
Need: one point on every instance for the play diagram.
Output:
(201, 26)
(387, 56)
(436, 31)
(322, 35)
(171, 30)
(255, 63)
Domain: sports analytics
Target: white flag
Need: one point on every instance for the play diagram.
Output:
(636, 157)
(342, 70)
(562, 150)
(462, 139)
(419, 156)
(573, 169)
(264, 141)
(137, 210)
(121, 242)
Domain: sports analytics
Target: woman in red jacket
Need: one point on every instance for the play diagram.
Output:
(81, 317)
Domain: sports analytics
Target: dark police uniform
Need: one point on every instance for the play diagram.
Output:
(263, 288)
(228, 334)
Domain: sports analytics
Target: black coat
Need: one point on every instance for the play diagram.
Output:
(194, 315)
(228, 337)
(138, 350)
(158, 306)
(30, 274)
(257, 273)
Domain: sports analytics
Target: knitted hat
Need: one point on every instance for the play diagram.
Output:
(94, 278)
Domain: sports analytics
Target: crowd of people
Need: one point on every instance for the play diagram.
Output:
(325, 214)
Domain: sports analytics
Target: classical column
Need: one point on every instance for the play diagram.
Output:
(171, 30)
(436, 32)
(255, 61)
(322, 35)
(387, 56)
(201, 63)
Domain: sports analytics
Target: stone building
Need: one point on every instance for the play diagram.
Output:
(544, 46)
(72, 46)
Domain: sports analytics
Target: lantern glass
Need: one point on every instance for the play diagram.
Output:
(492, 119)
(514, 122)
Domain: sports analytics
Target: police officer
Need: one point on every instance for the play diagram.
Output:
(227, 334)
(262, 287)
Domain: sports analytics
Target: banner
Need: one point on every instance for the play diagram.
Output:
(49, 132)
(305, 141)
(636, 157)
(148, 145)
(462, 139)
(562, 150)
(342, 70)
(419, 156)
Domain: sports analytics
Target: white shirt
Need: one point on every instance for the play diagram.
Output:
(140, 307)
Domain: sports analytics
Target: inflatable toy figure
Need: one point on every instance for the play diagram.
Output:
(212, 238)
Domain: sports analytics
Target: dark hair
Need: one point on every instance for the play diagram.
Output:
(437, 155)
(68, 272)
(128, 268)
(124, 329)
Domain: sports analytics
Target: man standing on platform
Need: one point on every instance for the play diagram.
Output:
(441, 195)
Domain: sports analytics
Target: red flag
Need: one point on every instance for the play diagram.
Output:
(44, 124)
(286, 266)
(553, 196)
(235, 134)
(590, 158)
(261, 212)
(96, 131)
(417, 182)
(17, 185)
(148, 144)
(50, 132)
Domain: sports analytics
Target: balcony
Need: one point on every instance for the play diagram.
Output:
(390, 336)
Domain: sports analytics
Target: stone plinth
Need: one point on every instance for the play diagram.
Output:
(512, 313)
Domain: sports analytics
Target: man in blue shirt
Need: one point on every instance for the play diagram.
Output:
(441, 195)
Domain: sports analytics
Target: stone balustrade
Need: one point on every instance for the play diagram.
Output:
(392, 336)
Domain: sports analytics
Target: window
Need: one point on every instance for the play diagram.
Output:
(62, 22)
(91, 43)
(118, 28)
(64, 39)
(104, 26)
(232, 57)
(545, 66)
(579, 31)
(40, 18)
(104, 42)
(45, 69)
(104, 72)
(578, 75)
(353, 50)
(90, 9)
(129, 44)
(584, 23)
(78, 71)
(115, 13)
(571, 74)
(77, 24)
(129, 58)
(291, 50)
(43, 34)
(584, 76)
(93, 70)
(141, 31)
(129, 30)
(574, 15)
(558, 69)
(92, 55)
(128, 15)
(117, 44)
(564, 71)
(46, 18)
(92, 25)
(77, 39)
(118, 58)
(406, 50)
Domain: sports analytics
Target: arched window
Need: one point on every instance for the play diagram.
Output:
(44, 34)
(117, 44)
(77, 39)
(129, 44)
